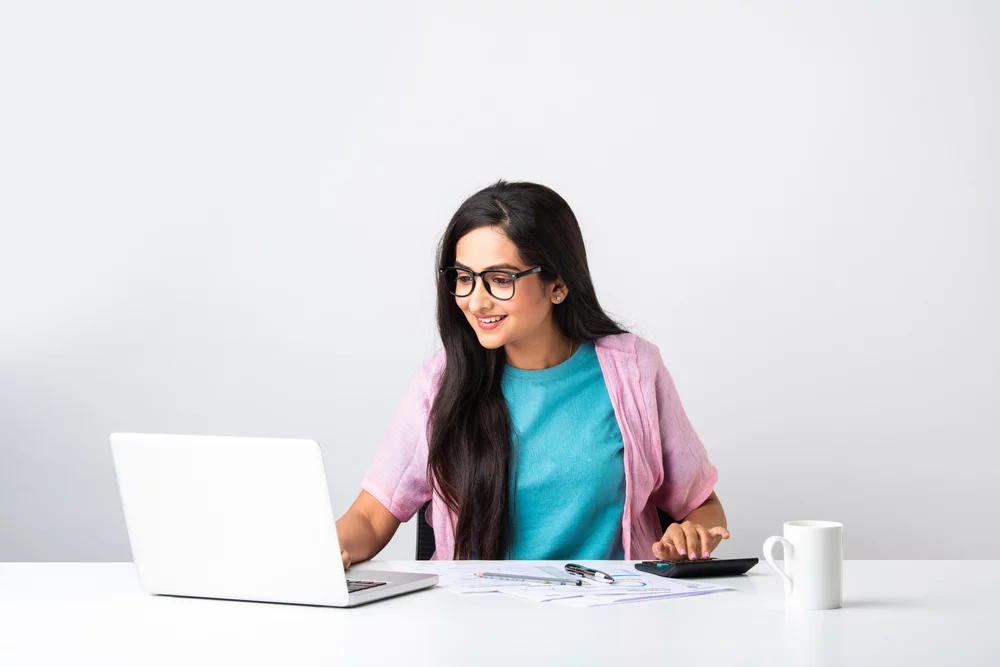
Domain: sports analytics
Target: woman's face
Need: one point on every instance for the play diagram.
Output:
(524, 314)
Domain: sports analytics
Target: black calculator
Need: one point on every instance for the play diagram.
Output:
(687, 569)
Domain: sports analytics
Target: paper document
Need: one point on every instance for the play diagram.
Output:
(630, 585)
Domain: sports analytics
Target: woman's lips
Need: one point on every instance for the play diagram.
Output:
(489, 326)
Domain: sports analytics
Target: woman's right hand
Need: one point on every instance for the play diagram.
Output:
(365, 529)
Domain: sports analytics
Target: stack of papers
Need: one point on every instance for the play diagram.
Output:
(630, 585)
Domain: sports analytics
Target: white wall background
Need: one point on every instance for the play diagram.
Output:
(797, 202)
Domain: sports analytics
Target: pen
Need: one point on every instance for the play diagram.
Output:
(527, 577)
(589, 573)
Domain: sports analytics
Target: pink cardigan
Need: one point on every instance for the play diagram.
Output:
(666, 465)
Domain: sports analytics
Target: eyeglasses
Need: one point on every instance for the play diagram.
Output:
(500, 284)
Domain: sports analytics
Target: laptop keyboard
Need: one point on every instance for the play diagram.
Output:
(356, 585)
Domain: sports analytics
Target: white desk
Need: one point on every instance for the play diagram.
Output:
(896, 613)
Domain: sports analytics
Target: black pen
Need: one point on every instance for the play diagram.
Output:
(589, 573)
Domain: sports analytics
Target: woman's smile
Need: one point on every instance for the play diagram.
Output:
(490, 323)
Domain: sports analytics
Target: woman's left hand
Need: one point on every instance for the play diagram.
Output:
(689, 541)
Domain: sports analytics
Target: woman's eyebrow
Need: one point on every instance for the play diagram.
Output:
(489, 268)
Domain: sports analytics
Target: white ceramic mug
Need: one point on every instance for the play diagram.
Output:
(814, 563)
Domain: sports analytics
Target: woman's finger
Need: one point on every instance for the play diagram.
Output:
(667, 549)
(717, 534)
(664, 551)
(719, 531)
(691, 536)
(706, 543)
(675, 533)
(345, 558)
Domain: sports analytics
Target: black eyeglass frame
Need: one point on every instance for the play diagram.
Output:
(510, 274)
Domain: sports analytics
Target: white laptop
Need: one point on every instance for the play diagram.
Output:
(239, 519)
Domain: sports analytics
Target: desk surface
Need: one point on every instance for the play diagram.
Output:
(896, 612)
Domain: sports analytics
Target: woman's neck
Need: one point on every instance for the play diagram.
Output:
(543, 351)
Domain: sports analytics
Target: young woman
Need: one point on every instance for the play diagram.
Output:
(542, 430)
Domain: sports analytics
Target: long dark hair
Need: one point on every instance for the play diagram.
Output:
(469, 453)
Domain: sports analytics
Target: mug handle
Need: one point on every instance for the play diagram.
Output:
(769, 556)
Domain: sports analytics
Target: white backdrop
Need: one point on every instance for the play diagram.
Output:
(221, 219)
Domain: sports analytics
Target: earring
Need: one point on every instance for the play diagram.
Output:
(558, 298)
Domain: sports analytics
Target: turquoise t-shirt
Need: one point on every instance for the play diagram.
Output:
(567, 482)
